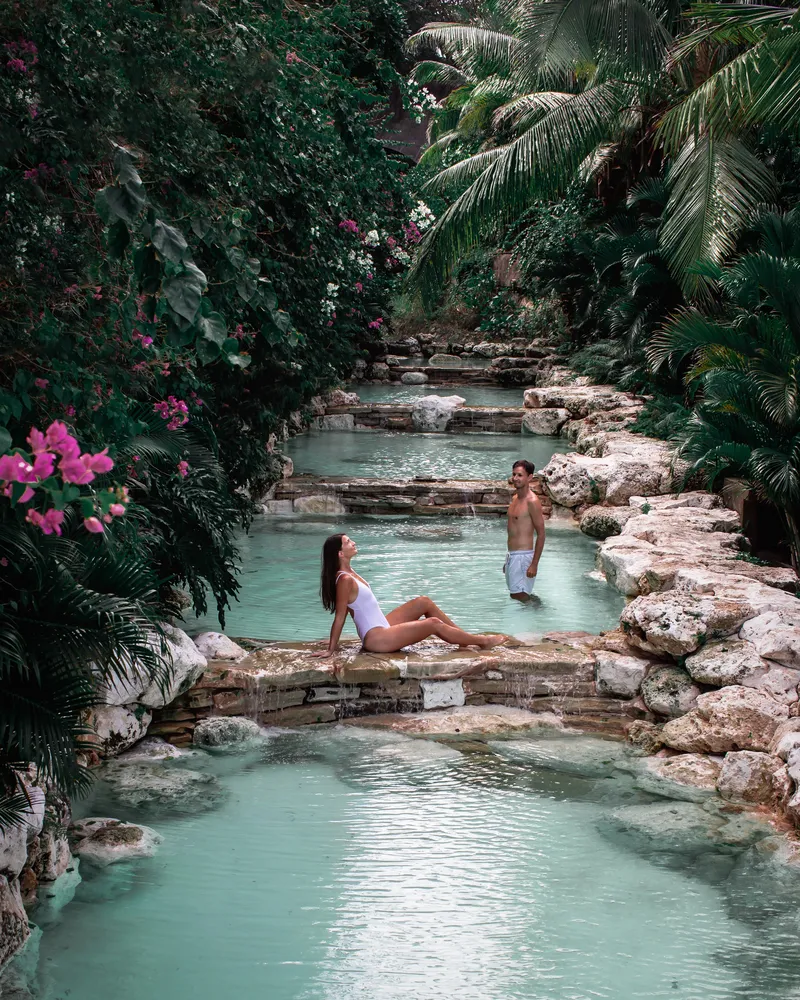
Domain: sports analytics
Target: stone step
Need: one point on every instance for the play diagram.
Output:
(424, 498)
(397, 416)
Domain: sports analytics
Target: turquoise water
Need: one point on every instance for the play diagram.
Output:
(280, 579)
(402, 455)
(346, 864)
(475, 395)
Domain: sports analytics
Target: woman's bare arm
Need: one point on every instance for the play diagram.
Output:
(344, 596)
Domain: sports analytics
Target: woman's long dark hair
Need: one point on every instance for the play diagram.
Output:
(330, 567)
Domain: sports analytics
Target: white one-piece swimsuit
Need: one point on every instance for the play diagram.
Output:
(367, 612)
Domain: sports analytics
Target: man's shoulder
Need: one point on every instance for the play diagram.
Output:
(533, 499)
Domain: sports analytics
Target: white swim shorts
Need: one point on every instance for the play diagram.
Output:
(516, 570)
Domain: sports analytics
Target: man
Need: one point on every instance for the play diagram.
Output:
(524, 519)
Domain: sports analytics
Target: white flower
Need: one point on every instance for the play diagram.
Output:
(332, 289)
(372, 239)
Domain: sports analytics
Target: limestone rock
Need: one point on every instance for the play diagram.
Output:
(728, 661)
(776, 636)
(287, 466)
(339, 397)
(413, 378)
(187, 665)
(677, 622)
(434, 413)
(678, 501)
(104, 841)
(317, 406)
(150, 750)
(431, 532)
(324, 503)
(691, 777)
(600, 521)
(733, 718)
(221, 731)
(548, 421)
(116, 727)
(444, 359)
(785, 738)
(15, 840)
(687, 828)
(442, 694)
(14, 929)
(337, 422)
(159, 788)
(379, 371)
(746, 776)
(572, 480)
(488, 350)
(461, 723)
(620, 675)
(217, 646)
(645, 736)
(669, 691)
(586, 756)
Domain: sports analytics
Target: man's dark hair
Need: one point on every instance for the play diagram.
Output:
(529, 467)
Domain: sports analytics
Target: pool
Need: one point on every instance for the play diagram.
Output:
(402, 455)
(402, 558)
(348, 864)
(475, 395)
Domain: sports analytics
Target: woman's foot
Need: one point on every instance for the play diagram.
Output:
(493, 640)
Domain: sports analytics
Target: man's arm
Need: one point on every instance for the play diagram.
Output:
(537, 519)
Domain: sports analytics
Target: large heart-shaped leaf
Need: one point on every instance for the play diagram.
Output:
(118, 239)
(184, 291)
(5, 440)
(123, 202)
(212, 327)
(169, 242)
(207, 350)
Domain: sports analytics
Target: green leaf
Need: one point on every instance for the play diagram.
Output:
(181, 338)
(184, 292)
(200, 227)
(169, 242)
(207, 350)
(238, 360)
(246, 286)
(231, 346)
(87, 507)
(119, 238)
(212, 327)
(124, 202)
(5, 440)
(17, 489)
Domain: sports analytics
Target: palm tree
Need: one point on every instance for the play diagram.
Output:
(745, 371)
(628, 94)
(76, 615)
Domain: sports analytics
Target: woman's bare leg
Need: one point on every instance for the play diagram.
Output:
(420, 607)
(392, 639)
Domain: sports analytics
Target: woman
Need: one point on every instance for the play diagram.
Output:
(344, 590)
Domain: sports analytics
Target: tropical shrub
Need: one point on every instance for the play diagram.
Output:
(744, 370)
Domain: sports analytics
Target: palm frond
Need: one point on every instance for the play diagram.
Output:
(715, 186)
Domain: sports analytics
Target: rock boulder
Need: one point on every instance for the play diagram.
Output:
(434, 413)
(669, 691)
(104, 841)
(746, 776)
(733, 718)
(601, 522)
(679, 622)
(217, 646)
(116, 727)
(227, 731)
(619, 675)
(548, 422)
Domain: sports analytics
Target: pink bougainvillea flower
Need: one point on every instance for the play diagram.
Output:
(94, 525)
(359, 287)
(376, 323)
(116, 509)
(74, 471)
(57, 433)
(14, 469)
(99, 462)
(43, 464)
(70, 411)
(183, 469)
(3, 562)
(41, 383)
(50, 522)
(349, 226)
(291, 57)
(147, 341)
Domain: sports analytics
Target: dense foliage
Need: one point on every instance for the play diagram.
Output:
(186, 192)
(623, 152)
